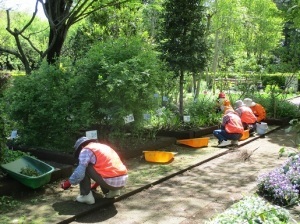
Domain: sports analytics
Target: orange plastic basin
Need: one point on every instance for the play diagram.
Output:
(158, 156)
(194, 142)
(245, 135)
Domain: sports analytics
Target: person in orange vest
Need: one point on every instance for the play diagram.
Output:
(100, 163)
(222, 102)
(247, 116)
(231, 128)
(258, 110)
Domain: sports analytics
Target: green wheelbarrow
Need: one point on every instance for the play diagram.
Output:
(41, 170)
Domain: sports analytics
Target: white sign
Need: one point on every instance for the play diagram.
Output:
(186, 118)
(159, 112)
(91, 134)
(13, 134)
(165, 98)
(156, 95)
(147, 116)
(129, 118)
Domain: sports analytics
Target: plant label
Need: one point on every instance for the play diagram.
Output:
(13, 134)
(147, 117)
(159, 112)
(91, 134)
(156, 95)
(165, 99)
(129, 118)
(186, 118)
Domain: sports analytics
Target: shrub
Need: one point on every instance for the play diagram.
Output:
(119, 77)
(252, 209)
(42, 104)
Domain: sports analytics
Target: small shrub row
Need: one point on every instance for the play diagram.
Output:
(252, 209)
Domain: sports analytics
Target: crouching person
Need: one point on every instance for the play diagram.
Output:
(100, 163)
(231, 128)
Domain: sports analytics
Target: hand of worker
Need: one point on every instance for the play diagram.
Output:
(65, 184)
(94, 186)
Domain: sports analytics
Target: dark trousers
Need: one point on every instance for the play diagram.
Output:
(85, 184)
(222, 135)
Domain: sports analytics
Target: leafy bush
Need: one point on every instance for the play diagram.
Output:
(42, 105)
(118, 78)
(252, 209)
(56, 103)
(282, 184)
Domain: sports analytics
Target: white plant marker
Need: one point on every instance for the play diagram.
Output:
(91, 134)
(186, 118)
(14, 134)
(159, 112)
(156, 95)
(147, 117)
(165, 99)
(129, 118)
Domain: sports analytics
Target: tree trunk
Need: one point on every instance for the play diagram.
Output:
(181, 82)
(215, 61)
(58, 15)
(56, 39)
(2, 139)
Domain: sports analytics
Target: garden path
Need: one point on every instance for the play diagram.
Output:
(199, 194)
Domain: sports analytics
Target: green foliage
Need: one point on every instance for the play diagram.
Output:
(42, 105)
(183, 41)
(11, 155)
(7, 204)
(203, 111)
(118, 78)
(252, 209)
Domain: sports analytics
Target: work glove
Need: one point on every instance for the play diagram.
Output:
(94, 186)
(65, 184)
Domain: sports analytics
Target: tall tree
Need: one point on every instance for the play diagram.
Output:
(288, 56)
(61, 15)
(183, 40)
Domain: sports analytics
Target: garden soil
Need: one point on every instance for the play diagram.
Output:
(193, 196)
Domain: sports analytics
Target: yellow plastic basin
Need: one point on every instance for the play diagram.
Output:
(194, 142)
(245, 135)
(158, 156)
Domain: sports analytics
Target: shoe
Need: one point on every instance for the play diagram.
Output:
(88, 199)
(113, 194)
(234, 142)
(224, 143)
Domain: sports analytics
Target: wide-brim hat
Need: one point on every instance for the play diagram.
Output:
(80, 142)
(248, 102)
(239, 103)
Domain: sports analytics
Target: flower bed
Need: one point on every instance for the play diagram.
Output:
(282, 185)
(252, 209)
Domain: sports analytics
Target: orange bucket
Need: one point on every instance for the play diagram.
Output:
(245, 135)
(194, 142)
(158, 156)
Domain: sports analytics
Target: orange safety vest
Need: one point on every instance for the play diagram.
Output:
(247, 116)
(234, 124)
(259, 111)
(108, 163)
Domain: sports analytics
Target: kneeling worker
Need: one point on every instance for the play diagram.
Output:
(258, 110)
(100, 163)
(231, 128)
